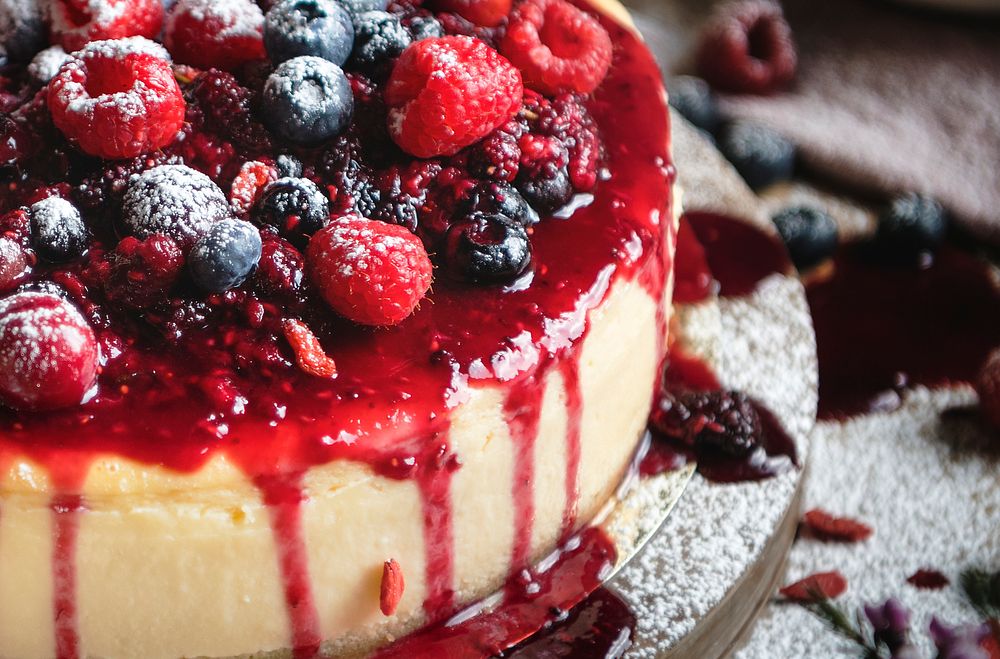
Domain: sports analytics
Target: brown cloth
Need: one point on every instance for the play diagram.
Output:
(890, 99)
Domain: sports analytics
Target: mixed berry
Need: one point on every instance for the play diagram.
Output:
(268, 166)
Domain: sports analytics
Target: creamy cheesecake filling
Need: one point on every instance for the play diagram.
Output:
(464, 444)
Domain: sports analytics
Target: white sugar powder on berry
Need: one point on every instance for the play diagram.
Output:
(20, 21)
(101, 12)
(119, 48)
(237, 18)
(174, 200)
(47, 63)
(56, 224)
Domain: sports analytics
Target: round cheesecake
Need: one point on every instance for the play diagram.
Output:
(167, 516)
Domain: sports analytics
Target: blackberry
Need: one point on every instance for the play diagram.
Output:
(379, 38)
(294, 206)
(761, 156)
(424, 27)
(911, 224)
(809, 233)
(497, 157)
(105, 188)
(226, 108)
(488, 248)
(713, 422)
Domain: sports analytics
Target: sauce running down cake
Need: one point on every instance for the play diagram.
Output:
(322, 321)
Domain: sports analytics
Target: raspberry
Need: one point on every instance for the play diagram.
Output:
(248, 185)
(14, 264)
(48, 352)
(142, 272)
(370, 272)
(487, 13)
(447, 93)
(281, 270)
(74, 23)
(225, 108)
(824, 526)
(747, 48)
(558, 47)
(116, 104)
(212, 33)
(988, 387)
(815, 587)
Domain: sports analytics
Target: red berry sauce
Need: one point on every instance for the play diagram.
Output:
(882, 328)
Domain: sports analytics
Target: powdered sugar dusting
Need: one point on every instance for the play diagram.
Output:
(174, 200)
(57, 224)
(305, 79)
(102, 14)
(47, 63)
(235, 18)
(21, 27)
(119, 48)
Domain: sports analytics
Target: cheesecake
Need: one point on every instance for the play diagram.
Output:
(307, 344)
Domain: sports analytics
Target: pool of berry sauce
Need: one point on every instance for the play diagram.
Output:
(882, 327)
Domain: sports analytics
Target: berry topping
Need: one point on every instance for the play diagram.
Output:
(445, 94)
(48, 353)
(57, 230)
(761, 155)
(911, 224)
(225, 256)
(46, 64)
(488, 248)
(308, 100)
(14, 264)
(487, 13)
(358, 7)
(425, 27)
(816, 587)
(747, 48)
(74, 23)
(988, 388)
(223, 34)
(809, 233)
(141, 272)
(558, 47)
(500, 198)
(322, 28)
(115, 102)
(693, 98)
(379, 38)
(22, 30)
(392, 587)
(281, 270)
(368, 271)
(248, 185)
(309, 353)
(824, 526)
(294, 205)
(174, 200)
(543, 175)
(714, 422)
(288, 166)
(225, 107)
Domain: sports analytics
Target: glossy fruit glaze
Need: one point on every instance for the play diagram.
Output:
(881, 328)
(404, 379)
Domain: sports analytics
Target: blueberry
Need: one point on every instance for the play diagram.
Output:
(911, 224)
(58, 233)
(308, 100)
(425, 27)
(22, 30)
(501, 198)
(488, 248)
(308, 27)
(809, 233)
(546, 191)
(379, 37)
(294, 206)
(693, 98)
(288, 165)
(225, 256)
(759, 154)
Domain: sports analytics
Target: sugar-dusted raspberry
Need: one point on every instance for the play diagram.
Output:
(115, 102)
(487, 13)
(223, 34)
(747, 48)
(370, 272)
(447, 93)
(14, 264)
(74, 23)
(48, 352)
(558, 47)
(248, 185)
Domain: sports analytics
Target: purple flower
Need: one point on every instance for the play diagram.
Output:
(961, 642)
(891, 622)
